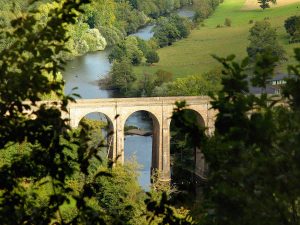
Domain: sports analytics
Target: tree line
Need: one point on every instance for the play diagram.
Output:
(134, 51)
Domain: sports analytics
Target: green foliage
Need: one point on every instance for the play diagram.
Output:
(100, 13)
(122, 75)
(128, 48)
(184, 155)
(165, 32)
(263, 38)
(163, 77)
(121, 196)
(94, 40)
(227, 22)
(29, 70)
(292, 27)
(112, 35)
(292, 24)
(129, 18)
(155, 8)
(190, 86)
(146, 85)
(152, 57)
(183, 25)
(169, 30)
(204, 8)
(132, 50)
(253, 154)
(50, 174)
(150, 81)
(160, 211)
(193, 55)
(264, 4)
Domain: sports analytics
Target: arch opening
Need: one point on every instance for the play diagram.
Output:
(188, 168)
(101, 133)
(141, 142)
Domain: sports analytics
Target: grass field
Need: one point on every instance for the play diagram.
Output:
(193, 54)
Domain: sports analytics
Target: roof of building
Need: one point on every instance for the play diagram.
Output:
(270, 89)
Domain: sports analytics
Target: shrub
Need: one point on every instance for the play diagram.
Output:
(292, 27)
(227, 22)
(152, 57)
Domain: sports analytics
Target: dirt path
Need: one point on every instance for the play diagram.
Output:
(252, 4)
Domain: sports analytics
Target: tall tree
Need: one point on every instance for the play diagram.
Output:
(122, 75)
(292, 27)
(264, 4)
(28, 71)
(254, 152)
(152, 57)
(263, 38)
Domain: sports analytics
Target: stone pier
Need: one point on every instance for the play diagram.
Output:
(118, 110)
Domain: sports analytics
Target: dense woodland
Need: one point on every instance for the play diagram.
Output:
(101, 23)
(51, 174)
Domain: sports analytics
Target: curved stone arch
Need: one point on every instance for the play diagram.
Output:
(152, 113)
(200, 119)
(199, 115)
(156, 136)
(111, 129)
(84, 113)
(201, 166)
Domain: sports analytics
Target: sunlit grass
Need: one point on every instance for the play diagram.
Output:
(193, 54)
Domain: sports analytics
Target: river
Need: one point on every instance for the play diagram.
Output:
(84, 73)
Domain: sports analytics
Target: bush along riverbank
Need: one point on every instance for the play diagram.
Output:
(133, 51)
(100, 24)
(106, 23)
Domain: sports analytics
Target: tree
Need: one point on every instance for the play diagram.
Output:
(264, 4)
(165, 32)
(122, 75)
(183, 25)
(254, 152)
(190, 86)
(263, 38)
(163, 76)
(152, 57)
(28, 71)
(227, 22)
(118, 52)
(128, 48)
(100, 13)
(292, 27)
(132, 50)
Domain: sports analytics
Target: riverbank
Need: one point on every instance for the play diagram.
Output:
(138, 132)
(192, 56)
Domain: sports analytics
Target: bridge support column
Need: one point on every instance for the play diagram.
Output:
(165, 143)
(156, 145)
(166, 166)
(119, 140)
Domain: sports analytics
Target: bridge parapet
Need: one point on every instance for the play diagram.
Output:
(118, 110)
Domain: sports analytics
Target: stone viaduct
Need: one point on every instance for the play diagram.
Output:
(117, 110)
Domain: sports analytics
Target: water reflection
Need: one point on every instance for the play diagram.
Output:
(141, 147)
(84, 73)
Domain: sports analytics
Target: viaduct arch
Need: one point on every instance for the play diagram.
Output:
(160, 108)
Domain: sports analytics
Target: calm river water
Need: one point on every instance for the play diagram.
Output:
(83, 72)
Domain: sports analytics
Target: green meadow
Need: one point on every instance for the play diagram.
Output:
(193, 55)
